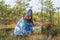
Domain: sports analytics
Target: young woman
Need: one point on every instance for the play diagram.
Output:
(24, 25)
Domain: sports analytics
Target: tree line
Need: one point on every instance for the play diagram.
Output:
(48, 11)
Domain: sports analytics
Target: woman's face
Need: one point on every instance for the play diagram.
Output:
(27, 17)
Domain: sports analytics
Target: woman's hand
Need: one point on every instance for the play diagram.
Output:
(37, 23)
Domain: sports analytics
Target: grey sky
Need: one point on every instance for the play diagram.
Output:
(33, 3)
(12, 2)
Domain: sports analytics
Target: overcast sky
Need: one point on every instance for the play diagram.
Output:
(33, 3)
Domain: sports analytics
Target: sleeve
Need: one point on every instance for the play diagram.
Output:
(19, 29)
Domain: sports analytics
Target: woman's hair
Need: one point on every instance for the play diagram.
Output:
(31, 20)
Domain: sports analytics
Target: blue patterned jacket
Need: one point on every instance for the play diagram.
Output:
(23, 27)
